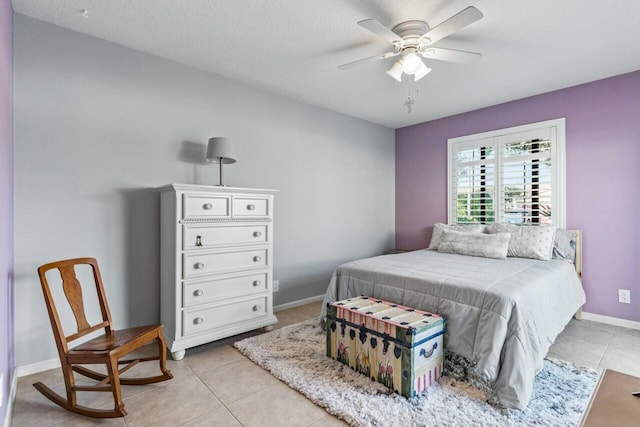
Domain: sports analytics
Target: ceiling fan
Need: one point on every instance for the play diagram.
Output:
(413, 38)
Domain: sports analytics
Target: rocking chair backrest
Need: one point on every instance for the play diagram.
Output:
(73, 293)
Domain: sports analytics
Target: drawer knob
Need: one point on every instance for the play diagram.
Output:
(198, 240)
(251, 207)
(207, 206)
(198, 320)
(257, 258)
(256, 307)
(198, 292)
(257, 233)
(198, 266)
(256, 283)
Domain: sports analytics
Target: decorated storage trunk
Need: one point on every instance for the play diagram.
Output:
(397, 346)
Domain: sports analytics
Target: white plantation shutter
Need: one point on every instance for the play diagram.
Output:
(526, 182)
(511, 175)
(474, 182)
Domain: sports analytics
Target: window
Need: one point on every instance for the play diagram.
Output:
(513, 175)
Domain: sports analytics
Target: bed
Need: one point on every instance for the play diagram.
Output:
(503, 314)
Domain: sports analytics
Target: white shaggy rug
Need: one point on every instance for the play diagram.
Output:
(296, 355)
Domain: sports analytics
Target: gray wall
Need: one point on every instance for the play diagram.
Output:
(98, 126)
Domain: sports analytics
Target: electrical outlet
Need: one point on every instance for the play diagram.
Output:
(624, 296)
(276, 285)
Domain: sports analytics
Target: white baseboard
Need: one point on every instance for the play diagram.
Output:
(33, 368)
(298, 303)
(45, 365)
(611, 320)
(11, 399)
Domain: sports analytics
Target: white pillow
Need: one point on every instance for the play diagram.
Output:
(564, 245)
(527, 241)
(474, 244)
(439, 228)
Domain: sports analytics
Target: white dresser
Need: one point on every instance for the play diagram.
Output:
(216, 263)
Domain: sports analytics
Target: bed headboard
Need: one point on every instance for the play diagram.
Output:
(578, 262)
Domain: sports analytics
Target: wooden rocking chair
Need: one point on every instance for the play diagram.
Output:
(105, 349)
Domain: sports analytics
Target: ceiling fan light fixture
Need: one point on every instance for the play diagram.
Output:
(411, 62)
(413, 39)
(396, 71)
(422, 71)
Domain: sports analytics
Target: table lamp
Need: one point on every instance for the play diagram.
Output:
(220, 151)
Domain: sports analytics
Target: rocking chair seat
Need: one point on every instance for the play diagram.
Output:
(107, 343)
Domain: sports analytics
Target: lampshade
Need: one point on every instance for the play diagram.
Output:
(396, 71)
(411, 62)
(421, 72)
(220, 148)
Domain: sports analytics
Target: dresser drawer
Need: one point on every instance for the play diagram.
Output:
(195, 265)
(251, 206)
(209, 236)
(199, 206)
(195, 293)
(195, 321)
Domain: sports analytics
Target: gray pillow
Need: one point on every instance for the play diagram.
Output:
(475, 244)
(564, 245)
(439, 228)
(527, 241)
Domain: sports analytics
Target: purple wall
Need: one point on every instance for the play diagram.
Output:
(6, 198)
(603, 167)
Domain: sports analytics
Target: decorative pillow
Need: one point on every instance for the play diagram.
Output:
(475, 244)
(527, 241)
(439, 227)
(564, 245)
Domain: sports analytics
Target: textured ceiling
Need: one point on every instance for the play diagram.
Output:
(293, 47)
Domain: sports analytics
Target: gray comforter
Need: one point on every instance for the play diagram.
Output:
(502, 314)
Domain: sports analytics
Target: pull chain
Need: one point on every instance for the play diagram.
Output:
(409, 102)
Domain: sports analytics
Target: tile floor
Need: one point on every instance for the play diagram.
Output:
(216, 386)
(599, 345)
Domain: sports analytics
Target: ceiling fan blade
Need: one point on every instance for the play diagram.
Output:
(451, 55)
(371, 58)
(456, 22)
(380, 30)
